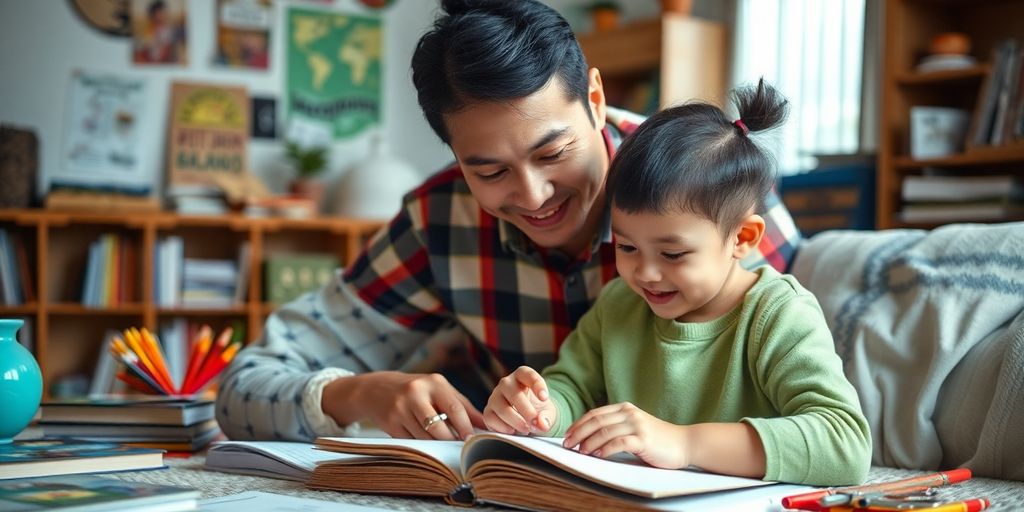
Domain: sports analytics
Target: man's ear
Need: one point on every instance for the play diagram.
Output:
(595, 97)
(748, 236)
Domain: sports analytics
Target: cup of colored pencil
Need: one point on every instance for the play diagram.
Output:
(145, 366)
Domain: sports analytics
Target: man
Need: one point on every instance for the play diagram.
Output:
(489, 263)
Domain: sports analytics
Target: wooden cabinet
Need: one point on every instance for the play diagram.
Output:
(682, 57)
(909, 27)
(65, 335)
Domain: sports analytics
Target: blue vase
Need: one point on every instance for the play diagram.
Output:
(21, 382)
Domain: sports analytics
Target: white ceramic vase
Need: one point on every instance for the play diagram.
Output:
(373, 187)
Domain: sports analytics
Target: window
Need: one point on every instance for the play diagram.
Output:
(812, 52)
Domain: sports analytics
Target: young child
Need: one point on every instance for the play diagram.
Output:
(702, 362)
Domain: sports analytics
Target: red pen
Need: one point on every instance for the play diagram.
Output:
(810, 500)
(972, 505)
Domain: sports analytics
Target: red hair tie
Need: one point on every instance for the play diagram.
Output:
(743, 128)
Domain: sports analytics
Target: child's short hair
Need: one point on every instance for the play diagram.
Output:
(691, 158)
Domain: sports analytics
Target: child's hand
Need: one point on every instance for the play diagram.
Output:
(519, 404)
(624, 427)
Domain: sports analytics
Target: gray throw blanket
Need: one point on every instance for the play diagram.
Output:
(930, 327)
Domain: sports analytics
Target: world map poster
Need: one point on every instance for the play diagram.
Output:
(333, 72)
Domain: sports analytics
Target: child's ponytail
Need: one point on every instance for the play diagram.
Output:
(761, 108)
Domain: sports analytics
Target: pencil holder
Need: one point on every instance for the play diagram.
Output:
(21, 382)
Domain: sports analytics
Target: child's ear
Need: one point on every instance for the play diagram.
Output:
(748, 235)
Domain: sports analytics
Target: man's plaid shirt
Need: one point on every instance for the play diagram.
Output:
(441, 262)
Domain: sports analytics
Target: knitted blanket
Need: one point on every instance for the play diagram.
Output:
(930, 326)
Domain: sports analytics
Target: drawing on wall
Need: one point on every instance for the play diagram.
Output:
(103, 141)
(243, 33)
(333, 75)
(158, 32)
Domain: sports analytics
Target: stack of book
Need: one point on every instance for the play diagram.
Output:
(962, 198)
(177, 424)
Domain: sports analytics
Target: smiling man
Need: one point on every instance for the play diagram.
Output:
(488, 266)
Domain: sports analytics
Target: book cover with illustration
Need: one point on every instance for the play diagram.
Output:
(24, 459)
(90, 493)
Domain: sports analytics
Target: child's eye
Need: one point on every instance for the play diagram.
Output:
(625, 248)
(673, 256)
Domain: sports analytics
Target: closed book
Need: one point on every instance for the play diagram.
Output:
(133, 410)
(531, 473)
(116, 432)
(289, 276)
(92, 493)
(25, 459)
(961, 188)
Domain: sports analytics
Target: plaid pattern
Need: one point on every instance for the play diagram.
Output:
(444, 259)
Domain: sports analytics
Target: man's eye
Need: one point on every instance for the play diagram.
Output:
(625, 248)
(492, 176)
(554, 156)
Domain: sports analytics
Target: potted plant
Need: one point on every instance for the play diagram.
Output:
(605, 15)
(308, 161)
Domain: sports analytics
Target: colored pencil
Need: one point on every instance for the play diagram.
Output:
(145, 365)
(217, 366)
(200, 347)
(212, 356)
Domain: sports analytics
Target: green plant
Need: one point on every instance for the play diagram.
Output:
(308, 161)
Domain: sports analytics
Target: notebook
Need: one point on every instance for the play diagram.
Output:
(46, 457)
(82, 493)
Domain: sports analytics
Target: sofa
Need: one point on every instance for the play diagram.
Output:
(930, 327)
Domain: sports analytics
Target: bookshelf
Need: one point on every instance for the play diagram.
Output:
(909, 26)
(66, 336)
(686, 56)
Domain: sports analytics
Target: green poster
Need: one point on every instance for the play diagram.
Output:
(333, 71)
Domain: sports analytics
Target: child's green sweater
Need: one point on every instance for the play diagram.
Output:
(770, 362)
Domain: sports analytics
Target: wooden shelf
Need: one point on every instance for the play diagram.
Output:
(687, 54)
(67, 335)
(30, 308)
(74, 308)
(971, 74)
(189, 311)
(978, 156)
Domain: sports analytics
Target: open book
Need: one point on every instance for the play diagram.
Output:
(531, 473)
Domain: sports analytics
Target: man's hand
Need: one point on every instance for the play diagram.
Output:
(519, 404)
(401, 404)
(625, 427)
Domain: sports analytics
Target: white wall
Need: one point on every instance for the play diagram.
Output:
(42, 41)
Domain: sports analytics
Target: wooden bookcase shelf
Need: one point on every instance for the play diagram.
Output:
(910, 25)
(66, 336)
(687, 55)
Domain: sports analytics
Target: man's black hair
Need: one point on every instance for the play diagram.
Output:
(494, 50)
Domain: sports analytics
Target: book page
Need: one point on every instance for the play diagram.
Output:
(274, 459)
(627, 474)
(447, 453)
